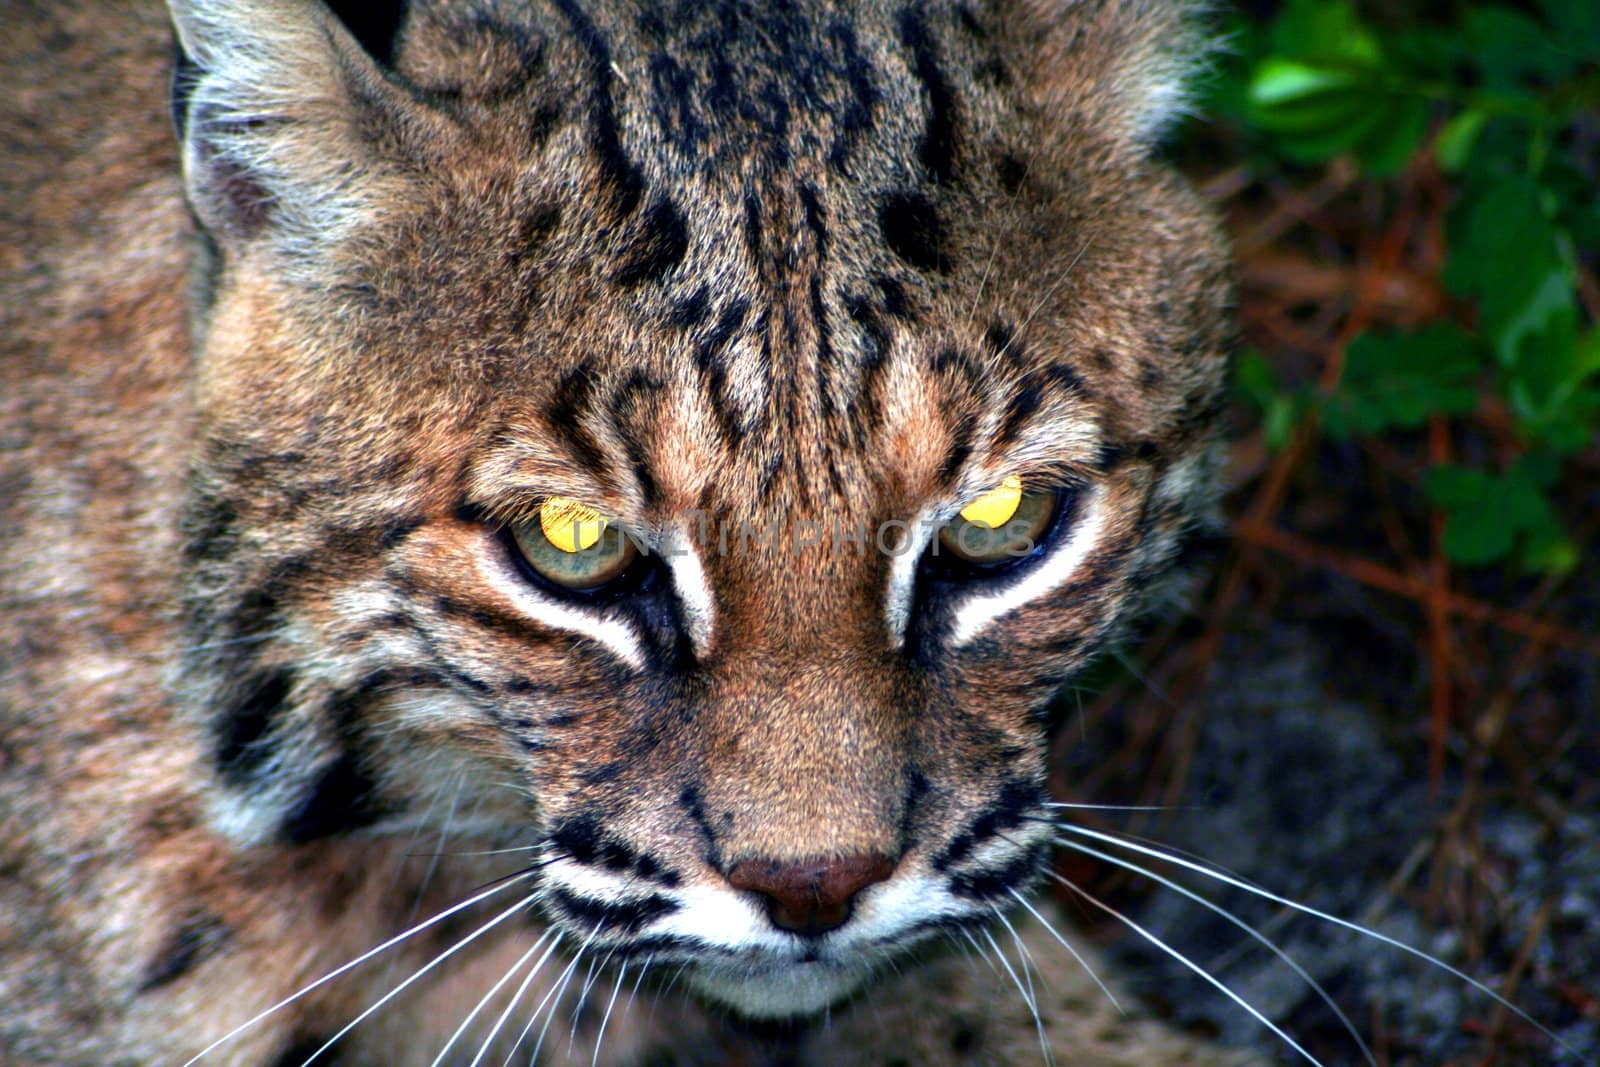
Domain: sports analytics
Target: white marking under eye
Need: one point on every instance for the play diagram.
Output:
(616, 635)
(694, 591)
(903, 575)
(1049, 573)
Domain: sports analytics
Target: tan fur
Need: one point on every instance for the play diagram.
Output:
(262, 653)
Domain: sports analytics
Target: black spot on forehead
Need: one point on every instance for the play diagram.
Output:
(912, 229)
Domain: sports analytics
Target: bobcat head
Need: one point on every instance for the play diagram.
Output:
(697, 440)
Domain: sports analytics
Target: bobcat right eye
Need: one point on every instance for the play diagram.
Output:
(1002, 526)
(573, 546)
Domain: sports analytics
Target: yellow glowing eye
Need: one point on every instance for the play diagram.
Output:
(573, 545)
(569, 525)
(996, 507)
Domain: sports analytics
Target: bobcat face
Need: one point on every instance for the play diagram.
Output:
(775, 295)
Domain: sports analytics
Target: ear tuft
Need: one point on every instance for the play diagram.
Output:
(1126, 65)
(269, 96)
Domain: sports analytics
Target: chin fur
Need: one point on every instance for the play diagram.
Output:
(781, 992)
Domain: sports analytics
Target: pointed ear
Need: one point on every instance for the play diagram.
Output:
(281, 116)
(1123, 66)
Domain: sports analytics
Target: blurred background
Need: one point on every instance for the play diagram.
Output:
(1386, 703)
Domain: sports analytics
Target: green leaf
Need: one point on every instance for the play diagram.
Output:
(1255, 380)
(1325, 32)
(1476, 536)
(1488, 516)
(1549, 550)
(1508, 253)
(1456, 487)
(1511, 48)
(1399, 380)
(1280, 83)
(1577, 24)
(1391, 142)
(1456, 139)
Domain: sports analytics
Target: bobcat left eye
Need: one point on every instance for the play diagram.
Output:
(1001, 526)
(573, 546)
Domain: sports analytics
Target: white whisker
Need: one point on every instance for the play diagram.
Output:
(1027, 995)
(583, 998)
(1026, 959)
(1050, 927)
(516, 998)
(605, 1020)
(364, 957)
(1220, 985)
(473, 1014)
(430, 965)
(982, 955)
(1306, 909)
(1110, 807)
(559, 990)
(1241, 924)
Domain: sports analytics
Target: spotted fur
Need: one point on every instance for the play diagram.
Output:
(276, 392)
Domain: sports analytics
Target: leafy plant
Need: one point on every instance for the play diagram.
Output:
(1500, 100)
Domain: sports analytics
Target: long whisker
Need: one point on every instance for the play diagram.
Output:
(516, 998)
(1241, 924)
(1028, 966)
(358, 961)
(982, 955)
(430, 965)
(1110, 807)
(1324, 916)
(583, 997)
(1061, 280)
(605, 1020)
(1049, 926)
(473, 1014)
(1027, 995)
(1221, 986)
(560, 990)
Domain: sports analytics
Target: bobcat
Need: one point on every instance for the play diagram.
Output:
(556, 534)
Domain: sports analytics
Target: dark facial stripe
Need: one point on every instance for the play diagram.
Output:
(816, 217)
(708, 359)
(1008, 812)
(197, 937)
(859, 115)
(627, 406)
(624, 917)
(695, 808)
(938, 147)
(997, 883)
(574, 396)
(655, 247)
(752, 225)
(239, 731)
(617, 171)
(341, 799)
(585, 840)
(1030, 394)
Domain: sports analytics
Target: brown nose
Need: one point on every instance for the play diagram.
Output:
(812, 897)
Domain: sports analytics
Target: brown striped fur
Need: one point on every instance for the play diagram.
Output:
(272, 394)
